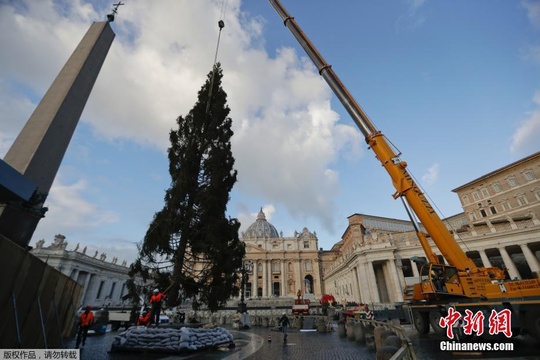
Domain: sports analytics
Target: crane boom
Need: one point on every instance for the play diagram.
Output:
(397, 169)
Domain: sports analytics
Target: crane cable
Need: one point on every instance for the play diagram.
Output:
(221, 25)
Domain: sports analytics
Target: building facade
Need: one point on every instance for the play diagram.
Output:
(104, 282)
(281, 265)
(498, 228)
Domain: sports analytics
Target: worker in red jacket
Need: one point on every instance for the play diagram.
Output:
(85, 321)
(144, 318)
(155, 300)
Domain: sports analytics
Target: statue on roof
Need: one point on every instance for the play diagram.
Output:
(59, 243)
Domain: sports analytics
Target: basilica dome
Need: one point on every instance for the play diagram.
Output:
(261, 228)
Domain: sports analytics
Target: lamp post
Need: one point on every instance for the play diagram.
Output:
(247, 267)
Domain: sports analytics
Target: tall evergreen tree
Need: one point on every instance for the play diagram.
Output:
(192, 226)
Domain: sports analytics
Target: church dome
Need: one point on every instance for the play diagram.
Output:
(261, 228)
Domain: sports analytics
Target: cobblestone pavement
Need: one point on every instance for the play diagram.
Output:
(253, 344)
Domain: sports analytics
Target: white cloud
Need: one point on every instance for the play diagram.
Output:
(68, 208)
(533, 11)
(432, 175)
(412, 18)
(525, 138)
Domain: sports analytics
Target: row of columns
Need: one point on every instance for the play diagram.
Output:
(268, 277)
(531, 259)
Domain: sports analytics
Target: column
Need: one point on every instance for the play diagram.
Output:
(265, 279)
(485, 259)
(255, 281)
(512, 269)
(531, 259)
(372, 283)
(300, 280)
(399, 280)
(270, 278)
(283, 278)
(356, 285)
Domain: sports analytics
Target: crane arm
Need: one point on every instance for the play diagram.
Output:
(397, 169)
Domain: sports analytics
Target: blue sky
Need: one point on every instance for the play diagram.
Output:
(454, 85)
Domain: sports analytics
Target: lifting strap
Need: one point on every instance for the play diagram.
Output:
(221, 25)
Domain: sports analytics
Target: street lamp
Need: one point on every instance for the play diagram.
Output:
(247, 267)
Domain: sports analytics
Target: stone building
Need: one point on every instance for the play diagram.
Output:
(281, 265)
(499, 227)
(103, 281)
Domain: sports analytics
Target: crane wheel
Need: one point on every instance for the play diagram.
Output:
(421, 321)
(434, 318)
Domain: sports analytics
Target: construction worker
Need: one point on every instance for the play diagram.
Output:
(285, 323)
(155, 300)
(144, 318)
(85, 321)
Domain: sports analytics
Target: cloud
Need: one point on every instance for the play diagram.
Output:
(287, 137)
(432, 175)
(525, 138)
(68, 208)
(533, 11)
(412, 18)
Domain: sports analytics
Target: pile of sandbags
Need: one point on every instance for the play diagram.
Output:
(141, 338)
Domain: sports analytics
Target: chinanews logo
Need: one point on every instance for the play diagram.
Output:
(472, 324)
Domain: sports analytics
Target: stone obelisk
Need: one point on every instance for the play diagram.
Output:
(40, 147)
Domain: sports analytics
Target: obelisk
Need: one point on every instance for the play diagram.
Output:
(40, 147)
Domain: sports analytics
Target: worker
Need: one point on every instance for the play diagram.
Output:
(285, 323)
(144, 318)
(155, 300)
(85, 321)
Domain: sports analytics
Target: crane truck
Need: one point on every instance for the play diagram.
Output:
(459, 284)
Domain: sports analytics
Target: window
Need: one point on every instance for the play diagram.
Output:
(275, 266)
(289, 265)
(100, 289)
(308, 265)
(528, 175)
(472, 216)
(475, 196)
(276, 289)
(289, 246)
(506, 205)
(512, 181)
(122, 291)
(537, 193)
(522, 200)
(483, 213)
(465, 199)
(485, 192)
(496, 187)
(493, 210)
(112, 290)
(259, 267)
(306, 244)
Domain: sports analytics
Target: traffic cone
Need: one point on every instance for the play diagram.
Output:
(269, 336)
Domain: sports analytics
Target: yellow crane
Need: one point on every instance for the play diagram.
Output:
(460, 284)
